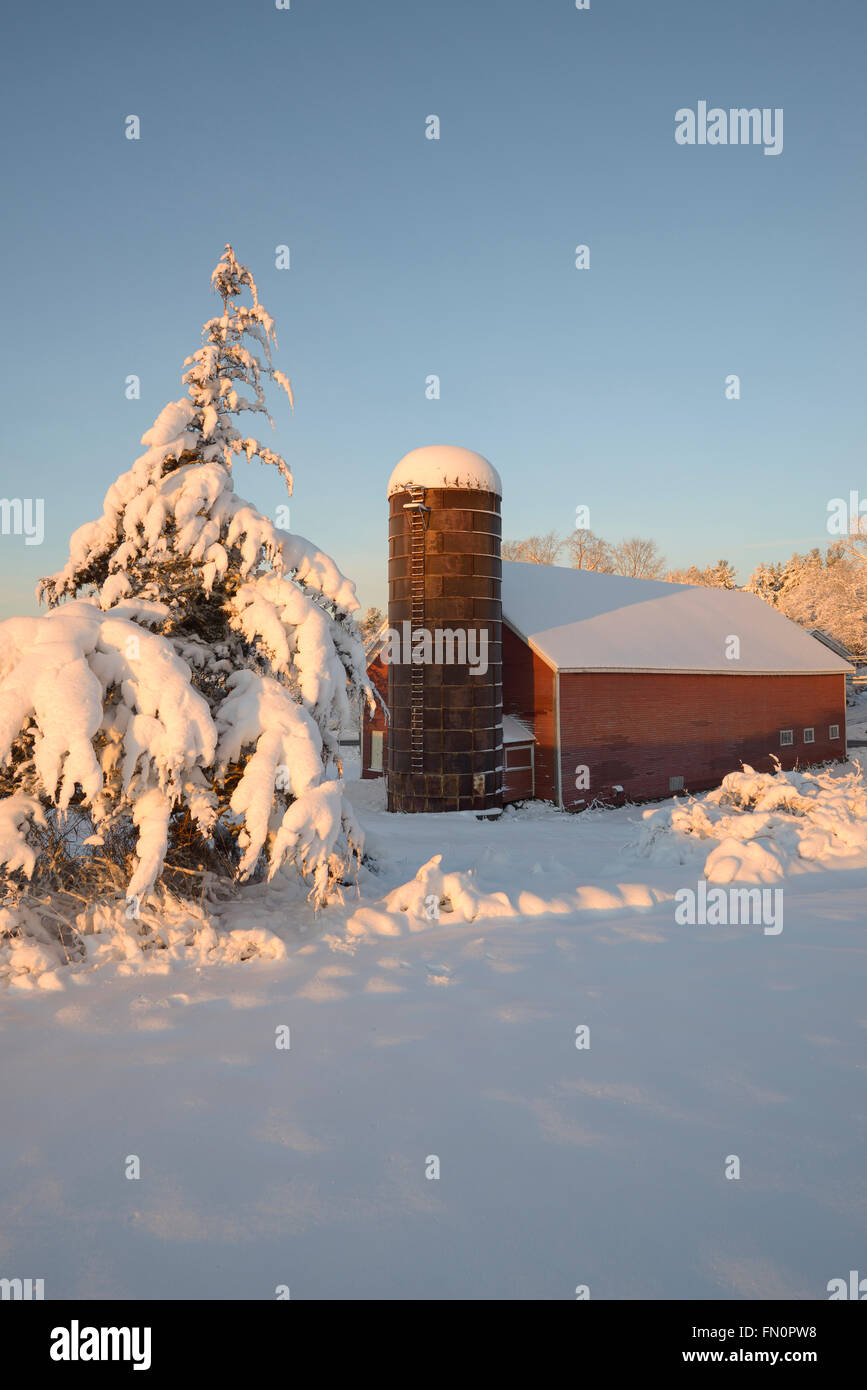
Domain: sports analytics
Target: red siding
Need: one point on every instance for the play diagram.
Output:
(528, 694)
(377, 673)
(517, 772)
(638, 730)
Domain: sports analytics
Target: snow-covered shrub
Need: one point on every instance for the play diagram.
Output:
(176, 709)
(756, 825)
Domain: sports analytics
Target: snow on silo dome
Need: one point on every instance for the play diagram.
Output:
(445, 465)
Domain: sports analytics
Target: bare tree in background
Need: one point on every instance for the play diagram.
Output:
(537, 550)
(638, 559)
(855, 544)
(589, 552)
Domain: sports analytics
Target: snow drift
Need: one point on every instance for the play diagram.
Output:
(758, 826)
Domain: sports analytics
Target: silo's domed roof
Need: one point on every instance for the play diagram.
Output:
(445, 465)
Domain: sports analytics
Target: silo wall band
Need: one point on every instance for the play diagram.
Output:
(462, 713)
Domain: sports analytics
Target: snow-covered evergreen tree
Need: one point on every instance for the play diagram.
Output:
(185, 688)
(371, 624)
(819, 591)
(722, 575)
(719, 576)
(830, 593)
(766, 581)
(693, 575)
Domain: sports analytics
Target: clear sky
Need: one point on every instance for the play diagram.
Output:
(412, 257)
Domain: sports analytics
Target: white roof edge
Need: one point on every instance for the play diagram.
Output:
(688, 671)
(548, 660)
(668, 670)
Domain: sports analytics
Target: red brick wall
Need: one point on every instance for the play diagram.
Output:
(640, 729)
(528, 694)
(377, 673)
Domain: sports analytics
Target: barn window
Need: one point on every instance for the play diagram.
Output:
(375, 750)
(834, 731)
(809, 735)
(787, 737)
(675, 784)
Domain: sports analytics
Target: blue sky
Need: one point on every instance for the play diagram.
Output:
(412, 257)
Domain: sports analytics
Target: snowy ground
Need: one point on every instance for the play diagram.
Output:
(411, 1038)
(856, 720)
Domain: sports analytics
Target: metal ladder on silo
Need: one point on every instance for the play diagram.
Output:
(416, 703)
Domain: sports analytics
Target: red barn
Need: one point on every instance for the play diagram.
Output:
(637, 688)
(594, 687)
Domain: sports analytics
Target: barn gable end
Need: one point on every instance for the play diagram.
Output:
(529, 695)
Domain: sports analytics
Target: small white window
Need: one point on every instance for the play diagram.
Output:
(675, 784)
(787, 737)
(834, 731)
(809, 735)
(376, 750)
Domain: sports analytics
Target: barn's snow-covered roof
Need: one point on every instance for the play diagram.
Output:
(580, 620)
(445, 465)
